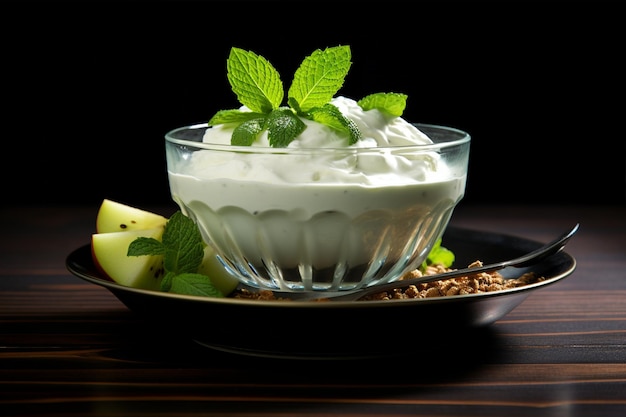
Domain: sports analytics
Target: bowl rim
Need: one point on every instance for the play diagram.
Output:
(464, 138)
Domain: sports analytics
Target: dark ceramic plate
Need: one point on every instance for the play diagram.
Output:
(339, 330)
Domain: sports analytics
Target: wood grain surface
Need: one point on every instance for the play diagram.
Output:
(70, 348)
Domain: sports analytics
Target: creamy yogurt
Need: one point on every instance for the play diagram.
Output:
(320, 214)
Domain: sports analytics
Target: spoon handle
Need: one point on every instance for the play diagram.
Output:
(530, 258)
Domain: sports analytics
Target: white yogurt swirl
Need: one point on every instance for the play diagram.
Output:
(375, 168)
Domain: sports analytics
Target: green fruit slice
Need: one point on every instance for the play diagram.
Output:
(118, 217)
(215, 270)
(117, 225)
(110, 250)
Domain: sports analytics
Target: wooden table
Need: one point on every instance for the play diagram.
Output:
(70, 348)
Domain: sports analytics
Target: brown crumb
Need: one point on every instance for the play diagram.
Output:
(262, 295)
(471, 284)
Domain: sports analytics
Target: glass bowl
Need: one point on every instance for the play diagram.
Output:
(319, 219)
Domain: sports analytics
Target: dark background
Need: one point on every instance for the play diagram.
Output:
(90, 88)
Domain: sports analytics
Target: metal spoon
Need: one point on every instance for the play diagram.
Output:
(528, 259)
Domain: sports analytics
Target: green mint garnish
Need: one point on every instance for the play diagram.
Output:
(258, 86)
(390, 103)
(319, 77)
(254, 80)
(438, 255)
(182, 248)
(282, 127)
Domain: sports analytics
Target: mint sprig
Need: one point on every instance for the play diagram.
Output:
(390, 103)
(182, 248)
(319, 77)
(438, 255)
(254, 80)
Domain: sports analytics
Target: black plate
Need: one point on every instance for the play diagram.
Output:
(339, 330)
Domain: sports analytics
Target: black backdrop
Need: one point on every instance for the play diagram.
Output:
(90, 88)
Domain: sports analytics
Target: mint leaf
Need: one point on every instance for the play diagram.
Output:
(319, 77)
(438, 255)
(184, 247)
(145, 246)
(283, 127)
(166, 283)
(233, 116)
(390, 103)
(193, 284)
(254, 80)
(247, 132)
(331, 116)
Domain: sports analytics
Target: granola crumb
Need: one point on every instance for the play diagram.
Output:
(481, 282)
(262, 295)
